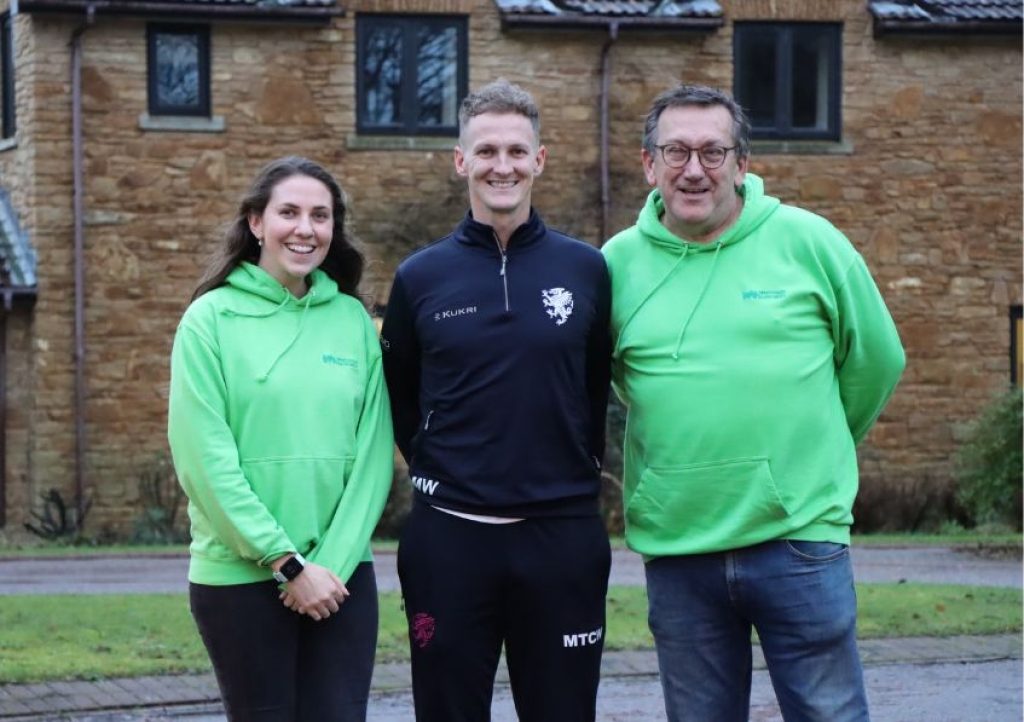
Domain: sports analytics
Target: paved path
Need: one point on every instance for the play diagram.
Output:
(135, 575)
(961, 679)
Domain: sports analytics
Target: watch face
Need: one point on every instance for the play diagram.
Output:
(291, 568)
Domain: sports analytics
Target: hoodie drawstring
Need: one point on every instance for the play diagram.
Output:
(700, 297)
(654, 289)
(302, 318)
(256, 314)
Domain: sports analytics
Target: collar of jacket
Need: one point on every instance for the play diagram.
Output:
(474, 233)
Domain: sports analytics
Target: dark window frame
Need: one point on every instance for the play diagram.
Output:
(784, 32)
(202, 33)
(409, 126)
(8, 124)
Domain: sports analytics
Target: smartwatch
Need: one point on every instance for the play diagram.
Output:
(290, 569)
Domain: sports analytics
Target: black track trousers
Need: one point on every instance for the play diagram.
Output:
(536, 585)
(275, 665)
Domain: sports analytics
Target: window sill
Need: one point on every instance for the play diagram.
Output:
(801, 147)
(8, 143)
(181, 123)
(400, 142)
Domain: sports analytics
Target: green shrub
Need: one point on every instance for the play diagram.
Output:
(988, 465)
(59, 520)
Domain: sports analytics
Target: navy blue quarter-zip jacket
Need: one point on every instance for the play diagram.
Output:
(498, 366)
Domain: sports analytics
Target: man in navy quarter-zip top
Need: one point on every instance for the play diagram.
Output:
(497, 357)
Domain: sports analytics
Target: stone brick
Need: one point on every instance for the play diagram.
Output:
(999, 127)
(906, 102)
(820, 188)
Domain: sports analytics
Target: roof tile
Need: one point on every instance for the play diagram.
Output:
(612, 8)
(948, 12)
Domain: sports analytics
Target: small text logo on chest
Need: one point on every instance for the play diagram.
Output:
(558, 304)
(453, 312)
(330, 358)
(759, 295)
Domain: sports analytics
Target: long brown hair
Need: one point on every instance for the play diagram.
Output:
(343, 263)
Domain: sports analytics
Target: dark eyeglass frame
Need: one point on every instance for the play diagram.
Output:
(699, 152)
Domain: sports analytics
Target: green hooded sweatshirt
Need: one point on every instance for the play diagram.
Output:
(750, 366)
(280, 427)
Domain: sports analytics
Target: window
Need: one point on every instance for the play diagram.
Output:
(178, 58)
(410, 74)
(787, 78)
(1016, 344)
(6, 76)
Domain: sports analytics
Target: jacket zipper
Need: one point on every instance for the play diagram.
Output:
(504, 276)
(426, 424)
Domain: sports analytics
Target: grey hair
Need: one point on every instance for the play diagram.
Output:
(701, 95)
(500, 96)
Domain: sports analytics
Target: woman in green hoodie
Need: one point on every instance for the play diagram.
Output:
(280, 429)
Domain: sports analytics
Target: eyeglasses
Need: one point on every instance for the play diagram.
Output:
(710, 156)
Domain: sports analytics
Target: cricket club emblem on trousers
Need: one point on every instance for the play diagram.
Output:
(558, 304)
(422, 629)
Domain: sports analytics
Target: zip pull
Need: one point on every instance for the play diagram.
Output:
(501, 273)
(426, 424)
(501, 250)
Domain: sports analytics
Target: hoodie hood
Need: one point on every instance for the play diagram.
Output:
(263, 296)
(259, 286)
(757, 207)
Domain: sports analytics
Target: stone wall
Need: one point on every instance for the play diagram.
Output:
(930, 193)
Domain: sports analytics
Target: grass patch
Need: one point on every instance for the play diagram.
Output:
(952, 539)
(100, 636)
(935, 610)
(883, 610)
(95, 636)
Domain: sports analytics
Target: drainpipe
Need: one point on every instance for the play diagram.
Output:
(3, 407)
(613, 34)
(79, 257)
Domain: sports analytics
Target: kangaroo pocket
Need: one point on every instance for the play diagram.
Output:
(302, 493)
(708, 503)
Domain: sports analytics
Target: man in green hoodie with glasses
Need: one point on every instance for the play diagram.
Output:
(753, 351)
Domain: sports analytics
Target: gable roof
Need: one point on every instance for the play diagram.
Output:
(17, 257)
(692, 14)
(208, 9)
(956, 16)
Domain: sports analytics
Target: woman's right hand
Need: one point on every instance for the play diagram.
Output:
(317, 591)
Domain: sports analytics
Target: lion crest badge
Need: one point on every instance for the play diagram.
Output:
(558, 304)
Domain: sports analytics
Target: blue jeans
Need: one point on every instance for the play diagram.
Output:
(798, 595)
